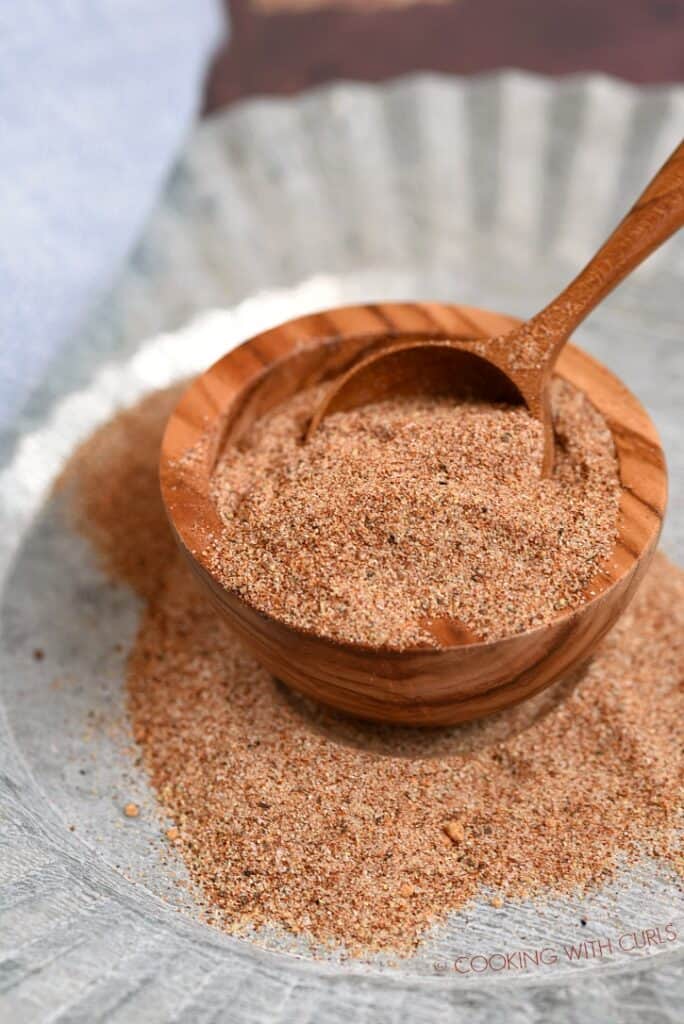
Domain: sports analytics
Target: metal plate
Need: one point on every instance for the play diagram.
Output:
(488, 191)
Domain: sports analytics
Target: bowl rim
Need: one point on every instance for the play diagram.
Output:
(258, 355)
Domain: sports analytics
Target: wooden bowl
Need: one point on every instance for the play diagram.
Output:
(420, 686)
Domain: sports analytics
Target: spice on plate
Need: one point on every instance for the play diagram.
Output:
(295, 816)
(455, 830)
(410, 510)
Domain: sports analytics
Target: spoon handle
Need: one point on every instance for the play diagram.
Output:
(656, 215)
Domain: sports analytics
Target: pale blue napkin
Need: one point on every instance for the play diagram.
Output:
(96, 96)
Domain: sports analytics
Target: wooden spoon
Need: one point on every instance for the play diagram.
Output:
(519, 364)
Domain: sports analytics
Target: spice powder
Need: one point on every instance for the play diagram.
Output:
(410, 510)
(291, 815)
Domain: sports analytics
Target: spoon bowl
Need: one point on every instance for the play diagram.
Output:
(457, 678)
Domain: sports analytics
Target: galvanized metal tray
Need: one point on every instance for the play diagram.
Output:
(486, 191)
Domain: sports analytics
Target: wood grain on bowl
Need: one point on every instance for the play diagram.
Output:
(455, 680)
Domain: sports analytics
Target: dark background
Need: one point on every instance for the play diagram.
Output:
(282, 46)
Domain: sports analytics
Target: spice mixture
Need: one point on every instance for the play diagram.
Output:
(407, 511)
(287, 814)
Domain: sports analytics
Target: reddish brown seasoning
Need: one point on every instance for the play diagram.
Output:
(414, 509)
(291, 815)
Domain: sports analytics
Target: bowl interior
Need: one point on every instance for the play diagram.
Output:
(221, 404)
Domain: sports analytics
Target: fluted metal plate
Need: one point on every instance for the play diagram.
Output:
(489, 191)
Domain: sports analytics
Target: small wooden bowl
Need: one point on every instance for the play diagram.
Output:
(420, 686)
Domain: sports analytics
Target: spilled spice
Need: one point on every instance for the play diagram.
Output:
(408, 510)
(288, 814)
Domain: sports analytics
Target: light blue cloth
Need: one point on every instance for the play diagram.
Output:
(96, 97)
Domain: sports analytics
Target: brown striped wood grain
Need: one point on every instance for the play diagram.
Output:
(458, 679)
